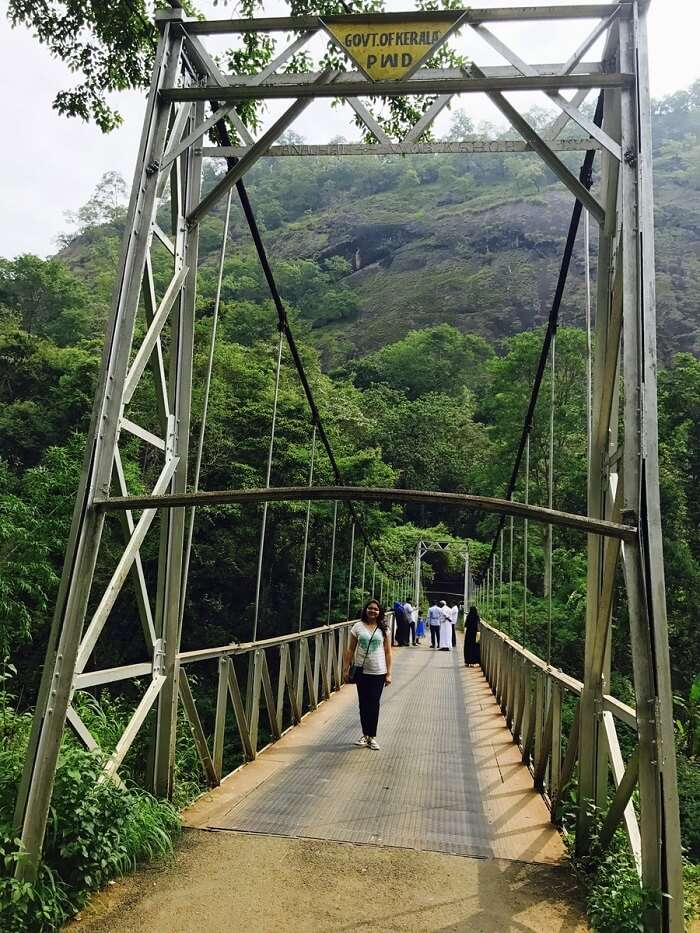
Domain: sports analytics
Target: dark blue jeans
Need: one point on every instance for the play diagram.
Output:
(369, 693)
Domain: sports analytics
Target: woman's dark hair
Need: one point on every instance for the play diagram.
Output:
(380, 618)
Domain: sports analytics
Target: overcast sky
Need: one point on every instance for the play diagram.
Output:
(51, 164)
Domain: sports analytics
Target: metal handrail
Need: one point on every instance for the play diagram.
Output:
(235, 648)
(532, 707)
(620, 710)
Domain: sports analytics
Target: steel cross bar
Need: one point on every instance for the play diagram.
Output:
(580, 191)
(468, 146)
(415, 85)
(470, 15)
(294, 79)
(374, 494)
(566, 106)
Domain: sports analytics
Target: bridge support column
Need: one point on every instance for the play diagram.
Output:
(604, 404)
(66, 652)
(186, 180)
(626, 309)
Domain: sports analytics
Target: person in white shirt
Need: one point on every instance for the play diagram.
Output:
(411, 618)
(454, 614)
(370, 647)
(434, 623)
(445, 626)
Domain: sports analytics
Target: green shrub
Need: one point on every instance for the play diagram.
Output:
(689, 799)
(615, 899)
(107, 716)
(95, 832)
(44, 905)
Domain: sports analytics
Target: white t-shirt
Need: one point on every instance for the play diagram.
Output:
(370, 642)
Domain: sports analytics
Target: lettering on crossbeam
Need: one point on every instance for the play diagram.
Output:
(389, 53)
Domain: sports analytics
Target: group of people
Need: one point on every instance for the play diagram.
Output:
(410, 627)
(367, 660)
(442, 620)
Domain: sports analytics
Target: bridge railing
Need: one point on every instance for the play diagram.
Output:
(531, 697)
(309, 668)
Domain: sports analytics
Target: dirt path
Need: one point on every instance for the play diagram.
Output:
(228, 881)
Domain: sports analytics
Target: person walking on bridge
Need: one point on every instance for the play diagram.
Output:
(472, 653)
(411, 617)
(445, 626)
(454, 615)
(420, 628)
(370, 651)
(401, 634)
(434, 623)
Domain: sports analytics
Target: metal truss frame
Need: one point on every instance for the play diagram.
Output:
(623, 520)
(426, 547)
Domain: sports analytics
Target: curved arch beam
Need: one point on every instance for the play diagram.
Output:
(534, 513)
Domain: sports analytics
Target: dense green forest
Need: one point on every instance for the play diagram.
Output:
(417, 287)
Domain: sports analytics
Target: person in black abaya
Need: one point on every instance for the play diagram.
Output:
(472, 653)
(402, 625)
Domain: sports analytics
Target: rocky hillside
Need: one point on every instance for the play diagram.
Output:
(366, 249)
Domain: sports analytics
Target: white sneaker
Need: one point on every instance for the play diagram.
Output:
(373, 744)
(362, 742)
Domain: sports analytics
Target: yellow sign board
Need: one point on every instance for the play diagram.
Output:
(392, 50)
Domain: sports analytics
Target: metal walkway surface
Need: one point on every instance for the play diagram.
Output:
(447, 778)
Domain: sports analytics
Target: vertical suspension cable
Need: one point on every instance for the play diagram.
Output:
(589, 341)
(489, 574)
(466, 582)
(586, 178)
(306, 529)
(352, 551)
(268, 474)
(510, 584)
(381, 588)
(500, 584)
(330, 575)
(493, 589)
(374, 575)
(550, 501)
(525, 530)
(364, 565)
(205, 408)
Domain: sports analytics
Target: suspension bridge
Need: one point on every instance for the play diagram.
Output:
(547, 726)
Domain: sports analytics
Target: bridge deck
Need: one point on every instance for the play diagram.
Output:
(447, 778)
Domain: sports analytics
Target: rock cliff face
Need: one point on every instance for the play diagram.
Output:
(489, 268)
(475, 241)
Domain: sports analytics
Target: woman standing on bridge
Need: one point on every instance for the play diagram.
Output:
(370, 651)
(472, 654)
